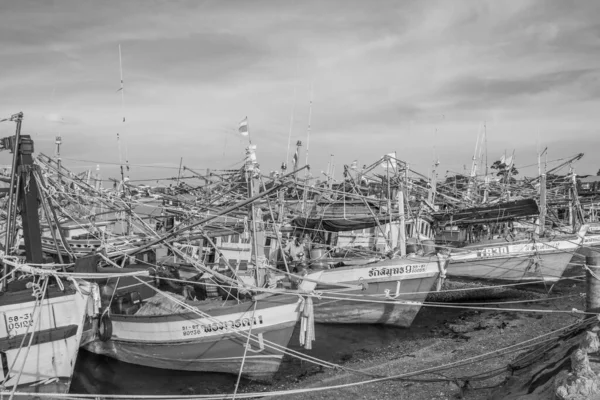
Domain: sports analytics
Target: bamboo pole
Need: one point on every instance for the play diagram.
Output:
(174, 234)
(542, 204)
(402, 233)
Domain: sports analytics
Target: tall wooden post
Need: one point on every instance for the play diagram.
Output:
(542, 204)
(593, 283)
(402, 230)
(258, 234)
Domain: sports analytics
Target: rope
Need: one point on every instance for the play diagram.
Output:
(416, 303)
(246, 347)
(36, 325)
(492, 354)
(267, 343)
(592, 273)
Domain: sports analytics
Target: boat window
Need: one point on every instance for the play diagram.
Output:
(224, 239)
(234, 238)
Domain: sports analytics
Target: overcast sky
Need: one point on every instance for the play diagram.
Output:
(416, 77)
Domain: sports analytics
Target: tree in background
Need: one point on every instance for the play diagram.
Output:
(504, 170)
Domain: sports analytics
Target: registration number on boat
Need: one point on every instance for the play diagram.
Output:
(492, 251)
(18, 323)
(403, 269)
(199, 329)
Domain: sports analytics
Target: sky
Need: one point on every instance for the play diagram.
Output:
(353, 80)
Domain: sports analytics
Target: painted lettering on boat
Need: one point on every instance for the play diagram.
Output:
(403, 269)
(493, 251)
(592, 239)
(542, 246)
(16, 322)
(220, 326)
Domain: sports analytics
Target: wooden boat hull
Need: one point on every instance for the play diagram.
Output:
(385, 284)
(80, 247)
(47, 367)
(519, 262)
(213, 344)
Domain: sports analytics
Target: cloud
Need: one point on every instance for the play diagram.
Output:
(57, 118)
(478, 92)
(381, 76)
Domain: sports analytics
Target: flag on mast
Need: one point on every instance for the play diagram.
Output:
(296, 156)
(244, 127)
(389, 161)
(295, 159)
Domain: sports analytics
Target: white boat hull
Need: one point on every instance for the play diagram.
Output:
(392, 292)
(47, 364)
(543, 260)
(208, 344)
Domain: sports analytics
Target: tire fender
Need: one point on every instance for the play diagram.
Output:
(104, 328)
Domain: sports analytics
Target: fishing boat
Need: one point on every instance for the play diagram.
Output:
(43, 315)
(225, 327)
(501, 253)
(390, 284)
(205, 336)
(40, 336)
(390, 292)
(379, 283)
(542, 259)
(78, 238)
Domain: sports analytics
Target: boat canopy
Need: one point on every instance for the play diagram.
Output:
(501, 212)
(341, 224)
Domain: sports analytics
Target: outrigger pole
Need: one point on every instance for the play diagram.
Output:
(223, 212)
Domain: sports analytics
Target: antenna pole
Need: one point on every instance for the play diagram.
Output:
(304, 194)
(179, 172)
(287, 155)
(122, 90)
(308, 129)
(486, 149)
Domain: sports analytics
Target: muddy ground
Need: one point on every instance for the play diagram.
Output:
(439, 336)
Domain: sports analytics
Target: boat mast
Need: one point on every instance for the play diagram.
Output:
(250, 169)
(13, 174)
(25, 192)
(122, 90)
(58, 142)
(542, 219)
(473, 169)
(486, 187)
(179, 171)
(287, 154)
(306, 174)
